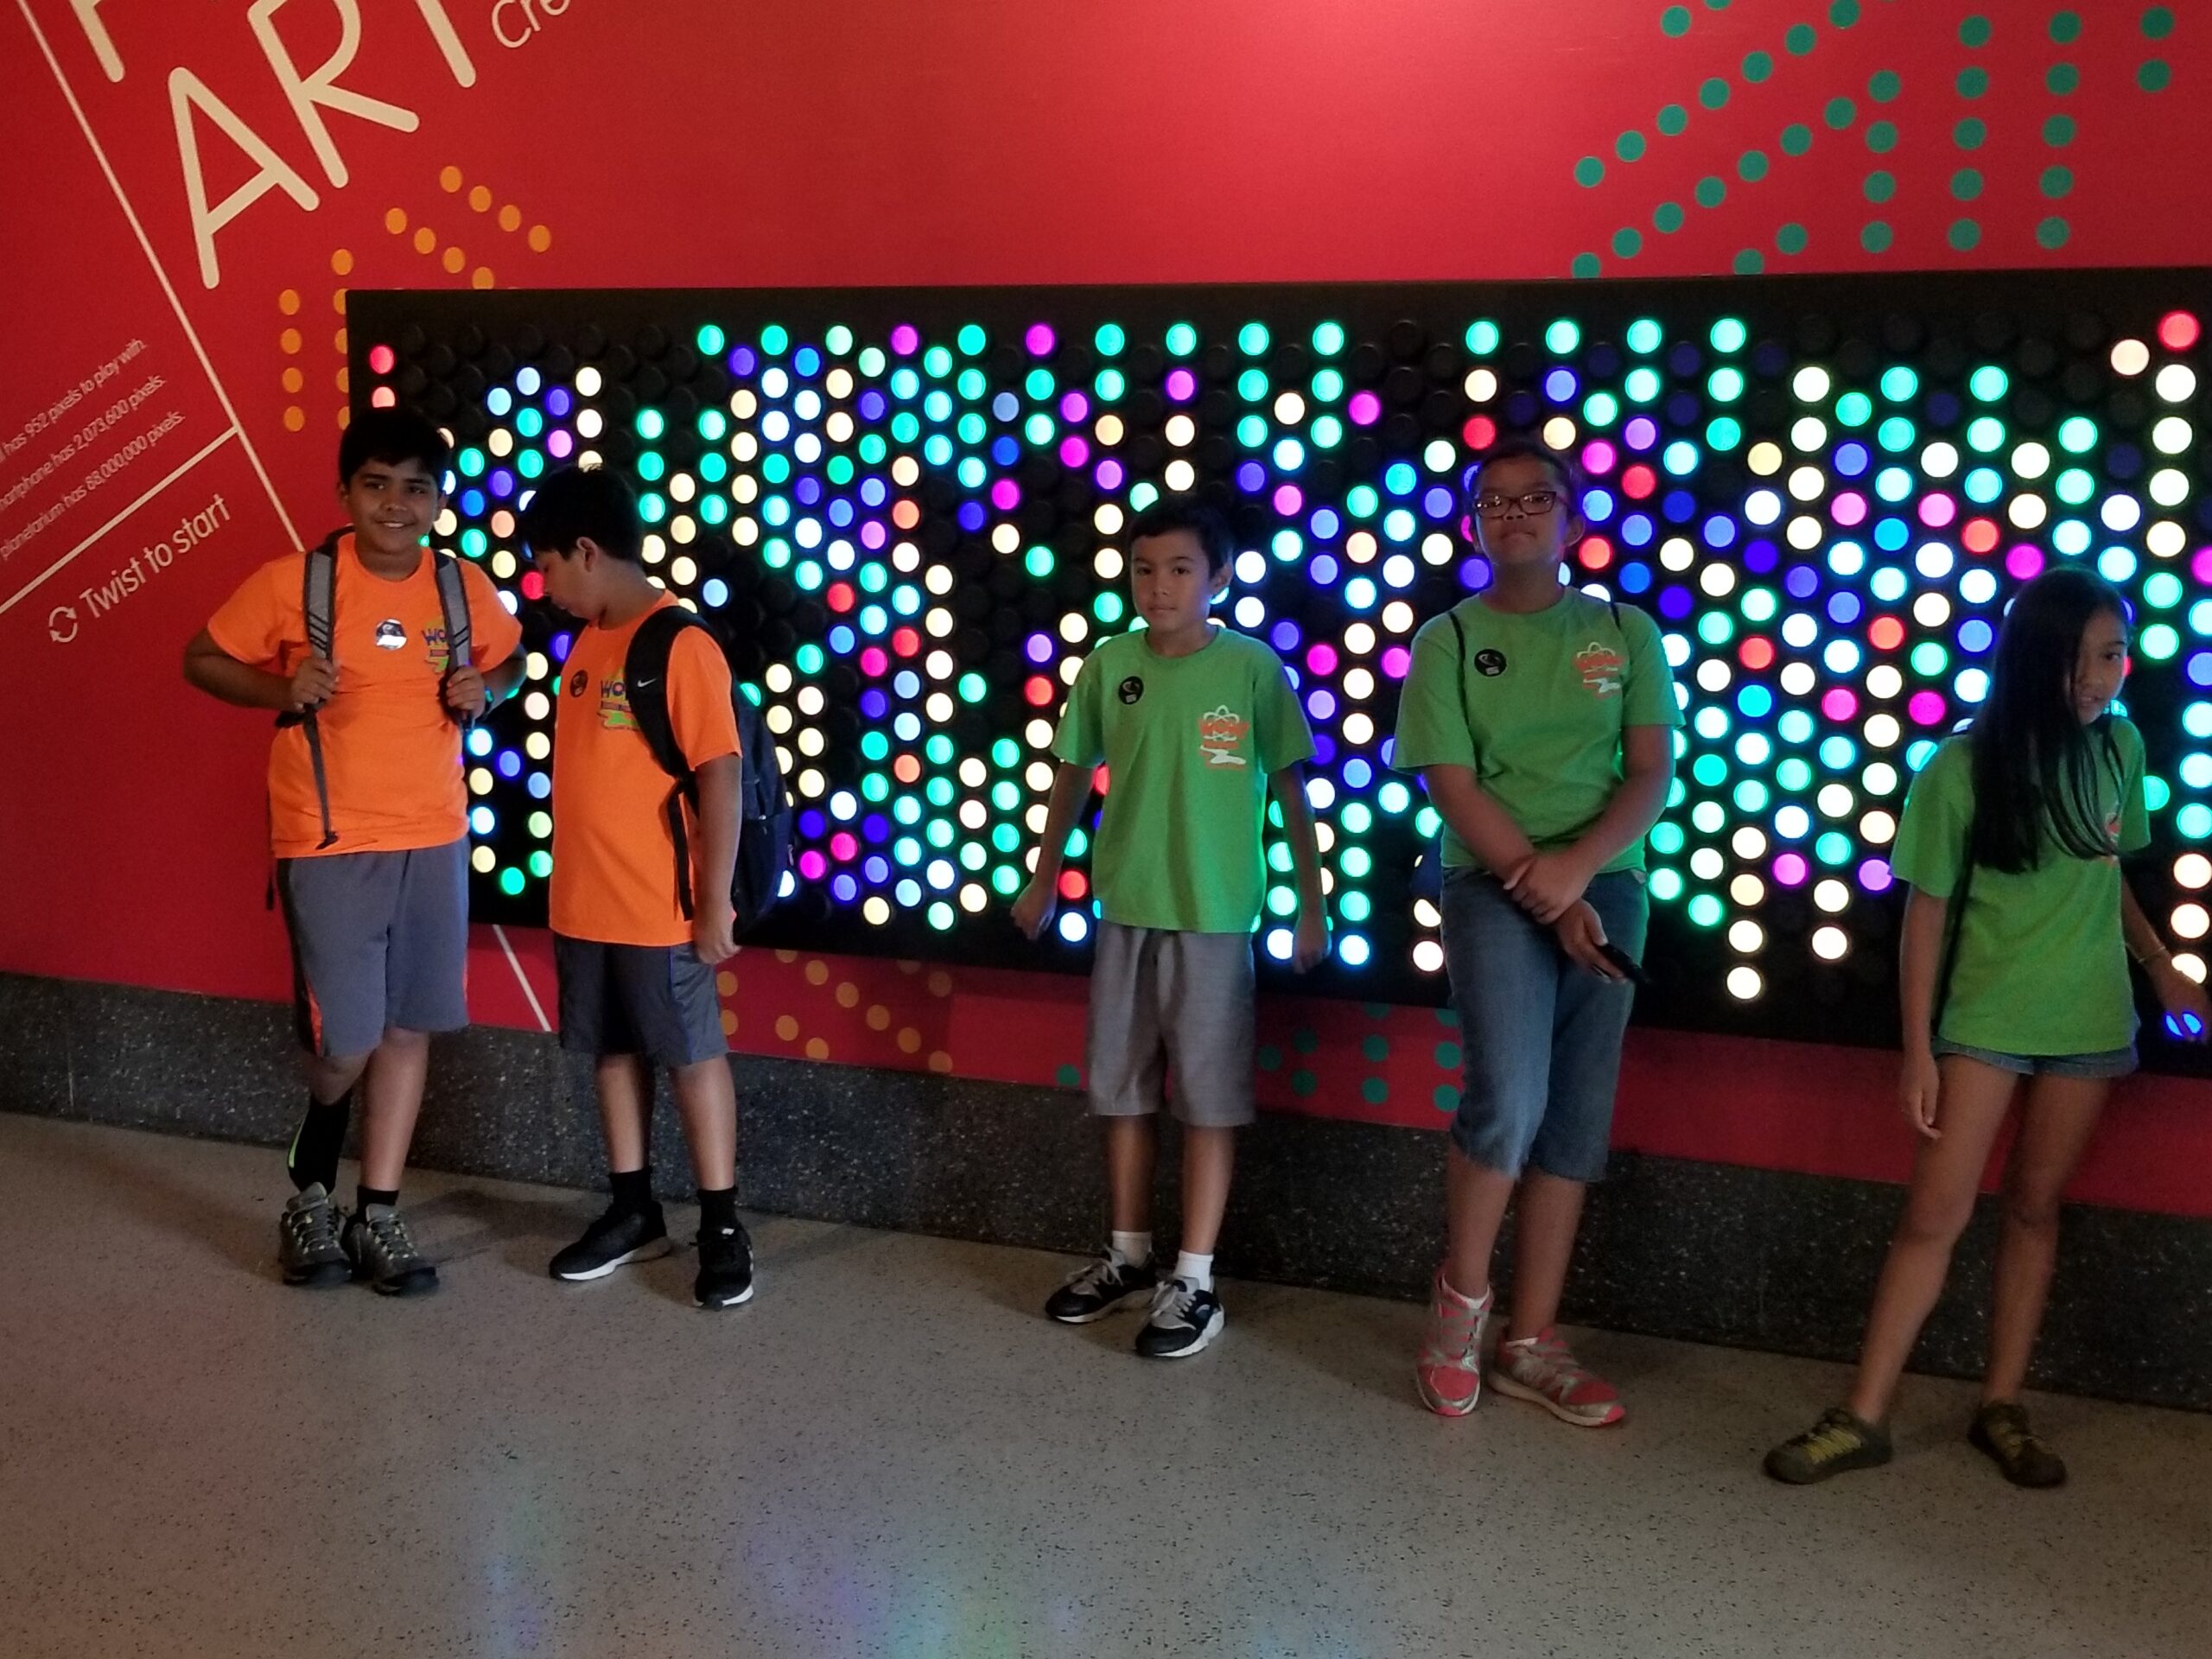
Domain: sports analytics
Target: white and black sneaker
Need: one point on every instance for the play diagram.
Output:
(1184, 1320)
(617, 1236)
(725, 1276)
(1110, 1282)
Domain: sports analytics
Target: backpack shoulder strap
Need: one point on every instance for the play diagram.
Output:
(644, 677)
(319, 592)
(1460, 633)
(453, 602)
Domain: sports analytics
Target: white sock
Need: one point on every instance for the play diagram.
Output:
(1196, 1271)
(1136, 1249)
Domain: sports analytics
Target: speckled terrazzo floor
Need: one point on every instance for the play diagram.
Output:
(890, 1453)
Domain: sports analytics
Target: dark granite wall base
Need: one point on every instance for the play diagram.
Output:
(1713, 1253)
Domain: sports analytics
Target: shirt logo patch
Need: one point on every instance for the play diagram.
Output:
(577, 681)
(1489, 663)
(434, 642)
(1131, 688)
(614, 707)
(1219, 733)
(390, 636)
(1600, 667)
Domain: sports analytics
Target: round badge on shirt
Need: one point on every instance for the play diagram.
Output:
(1131, 688)
(1489, 662)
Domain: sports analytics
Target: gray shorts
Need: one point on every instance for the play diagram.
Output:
(654, 1000)
(379, 940)
(2111, 1063)
(1161, 999)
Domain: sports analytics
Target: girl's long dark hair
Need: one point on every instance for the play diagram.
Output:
(2036, 767)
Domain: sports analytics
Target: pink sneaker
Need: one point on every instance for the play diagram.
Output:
(1541, 1368)
(1449, 1372)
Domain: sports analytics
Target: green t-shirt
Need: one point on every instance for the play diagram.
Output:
(1535, 707)
(2042, 965)
(1189, 743)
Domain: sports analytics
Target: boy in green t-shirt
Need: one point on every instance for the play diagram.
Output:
(1194, 723)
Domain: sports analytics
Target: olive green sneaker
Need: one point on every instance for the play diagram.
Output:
(1836, 1445)
(2000, 1429)
(383, 1254)
(306, 1241)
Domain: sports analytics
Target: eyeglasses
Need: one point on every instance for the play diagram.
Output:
(1533, 504)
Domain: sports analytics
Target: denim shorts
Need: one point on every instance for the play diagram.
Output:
(379, 942)
(656, 1000)
(1541, 1034)
(2111, 1063)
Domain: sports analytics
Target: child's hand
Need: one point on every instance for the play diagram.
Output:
(1582, 936)
(1312, 944)
(1547, 885)
(466, 694)
(315, 682)
(713, 932)
(1920, 1086)
(2179, 994)
(1034, 910)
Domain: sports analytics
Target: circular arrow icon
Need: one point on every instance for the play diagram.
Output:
(62, 625)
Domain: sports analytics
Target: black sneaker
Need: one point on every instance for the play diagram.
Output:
(1107, 1284)
(1835, 1446)
(377, 1243)
(306, 1241)
(2000, 1429)
(617, 1236)
(725, 1267)
(1184, 1320)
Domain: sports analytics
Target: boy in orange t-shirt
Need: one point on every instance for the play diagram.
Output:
(638, 927)
(376, 897)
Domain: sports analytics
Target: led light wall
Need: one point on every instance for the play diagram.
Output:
(909, 509)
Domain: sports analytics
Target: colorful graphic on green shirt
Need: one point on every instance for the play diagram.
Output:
(1535, 706)
(2042, 966)
(1189, 743)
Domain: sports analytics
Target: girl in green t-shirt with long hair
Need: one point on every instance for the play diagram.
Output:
(2014, 966)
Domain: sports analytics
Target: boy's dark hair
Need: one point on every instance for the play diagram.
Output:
(1523, 446)
(2036, 770)
(1174, 513)
(391, 435)
(578, 502)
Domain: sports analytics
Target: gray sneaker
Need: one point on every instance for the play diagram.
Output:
(376, 1243)
(306, 1241)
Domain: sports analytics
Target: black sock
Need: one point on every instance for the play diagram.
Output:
(377, 1195)
(718, 1208)
(315, 1148)
(633, 1189)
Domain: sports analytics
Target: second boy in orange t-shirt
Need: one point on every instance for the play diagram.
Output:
(637, 961)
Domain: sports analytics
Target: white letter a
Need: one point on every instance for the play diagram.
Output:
(188, 93)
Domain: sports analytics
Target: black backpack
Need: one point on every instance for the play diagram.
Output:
(318, 599)
(764, 842)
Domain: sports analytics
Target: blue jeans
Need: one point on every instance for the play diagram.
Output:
(1541, 1034)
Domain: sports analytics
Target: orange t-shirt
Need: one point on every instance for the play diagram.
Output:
(391, 751)
(613, 858)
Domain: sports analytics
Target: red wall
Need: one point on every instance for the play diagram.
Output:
(597, 144)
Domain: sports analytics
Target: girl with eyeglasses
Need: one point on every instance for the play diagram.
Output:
(1541, 722)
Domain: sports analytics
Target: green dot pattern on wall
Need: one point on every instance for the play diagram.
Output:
(1666, 218)
(1628, 242)
(1270, 1059)
(1449, 1018)
(2061, 79)
(2065, 27)
(2053, 233)
(1800, 40)
(1969, 134)
(1882, 137)
(1750, 166)
(1673, 120)
(1714, 93)
(1305, 1040)
(1972, 83)
(1303, 1083)
(2155, 76)
(1757, 66)
(1068, 1078)
(2056, 181)
(1676, 20)
(1880, 186)
(1629, 146)
(1966, 184)
(1749, 263)
(1447, 1098)
(1796, 138)
(1876, 238)
(2058, 131)
(1844, 13)
(1791, 238)
(1710, 192)
(2158, 22)
(1975, 31)
(1584, 265)
(1448, 1057)
(1884, 85)
(1375, 1091)
(1374, 1050)
(1840, 113)
(1965, 234)
(1589, 171)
